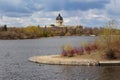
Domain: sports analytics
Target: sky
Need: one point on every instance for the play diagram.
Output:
(91, 13)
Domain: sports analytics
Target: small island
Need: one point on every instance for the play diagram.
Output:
(105, 50)
(89, 55)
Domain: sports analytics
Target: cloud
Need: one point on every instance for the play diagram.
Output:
(70, 18)
(18, 8)
(26, 8)
(41, 18)
(92, 17)
(113, 7)
(56, 5)
(44, 12)
(112, 10)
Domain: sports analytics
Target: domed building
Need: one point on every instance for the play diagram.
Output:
(59, 21)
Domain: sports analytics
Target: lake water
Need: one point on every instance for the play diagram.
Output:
(14, 64)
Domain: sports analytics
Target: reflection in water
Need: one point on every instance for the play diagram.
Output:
(91, 72)
(110, 73)
(72, 73)
(80, 72)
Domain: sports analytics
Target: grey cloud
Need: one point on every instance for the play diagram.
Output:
(23, 8)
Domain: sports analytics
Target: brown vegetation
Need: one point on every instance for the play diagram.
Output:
(107, 46)
(32, 32)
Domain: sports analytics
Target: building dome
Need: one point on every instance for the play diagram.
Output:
(59, 17)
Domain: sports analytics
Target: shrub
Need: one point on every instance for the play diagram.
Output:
(75, 50)
(70, 53)
(64, 53)
(110, 54)
(67, 47)
(67, 50)
(87, 49)
(93, 47)
(5, 28)
(79, 50)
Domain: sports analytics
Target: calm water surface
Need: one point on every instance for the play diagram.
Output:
(14, 64)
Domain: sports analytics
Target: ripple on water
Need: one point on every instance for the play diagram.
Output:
(15, 66)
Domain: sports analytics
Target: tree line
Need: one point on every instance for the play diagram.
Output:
(32, 32)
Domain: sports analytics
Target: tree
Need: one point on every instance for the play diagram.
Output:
(5, 28)
(107, 33)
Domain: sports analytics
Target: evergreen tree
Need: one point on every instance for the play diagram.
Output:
(5, 28)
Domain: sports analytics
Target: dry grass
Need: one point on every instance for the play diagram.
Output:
(102, 52)
(95, 56)
(111, 50)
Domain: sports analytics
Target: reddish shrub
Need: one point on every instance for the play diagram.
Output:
(75, 50)
(93, 47)
(81, 51)
(87, 49)
(70, 53)
(64, 53)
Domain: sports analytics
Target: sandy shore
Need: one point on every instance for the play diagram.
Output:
(58, 60)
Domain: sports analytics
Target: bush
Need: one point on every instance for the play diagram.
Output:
(67, 50)
(64, 53)
(79, 50)
(87, 49)
(110, 54)
(70, 51)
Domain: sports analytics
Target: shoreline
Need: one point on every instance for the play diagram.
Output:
(7, 38)
(58, 60)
